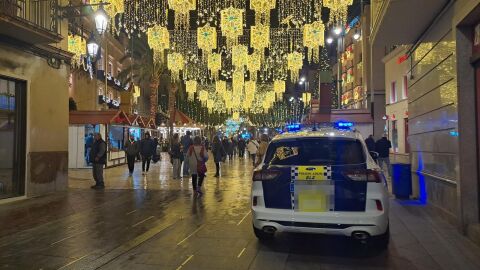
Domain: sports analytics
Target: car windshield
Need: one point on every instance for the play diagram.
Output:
(315, 151)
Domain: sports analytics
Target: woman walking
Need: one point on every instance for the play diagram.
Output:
(262, 149)
(197, 157)
(176, 156)
(218, 154)
(252, 148)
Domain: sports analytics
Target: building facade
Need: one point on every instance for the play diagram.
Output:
(33, 109)
(442, 99)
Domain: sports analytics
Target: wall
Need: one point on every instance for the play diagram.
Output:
(433, 116)
(398, 110)
(47, 118)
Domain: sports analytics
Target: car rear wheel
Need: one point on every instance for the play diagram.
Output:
(261, 235)
(381, 241)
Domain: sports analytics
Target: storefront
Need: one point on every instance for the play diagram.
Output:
(114, 126)
(12, 137)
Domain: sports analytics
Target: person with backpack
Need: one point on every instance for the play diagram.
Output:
(186, 142)
(252, 148)
(197, 158)
(98, 156)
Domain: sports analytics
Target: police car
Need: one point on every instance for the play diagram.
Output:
(322, 182)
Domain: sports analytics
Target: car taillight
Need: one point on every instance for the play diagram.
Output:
(265, 175)
(364, 175)
(379, 205)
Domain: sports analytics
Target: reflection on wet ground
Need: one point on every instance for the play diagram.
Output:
(154, 222)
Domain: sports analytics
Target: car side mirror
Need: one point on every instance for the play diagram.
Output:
(374, 154)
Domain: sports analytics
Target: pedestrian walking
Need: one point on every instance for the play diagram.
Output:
(383, 146)
(370, 142)
(186, 142)
(176, 156)
(252, 148)
(147, 150)
(88, 147)
(218, 153)
(241, 147)
(262, 149)
(197, 158)
(98, 156)
(131, 151)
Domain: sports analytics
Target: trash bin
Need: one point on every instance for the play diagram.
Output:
(401, 180)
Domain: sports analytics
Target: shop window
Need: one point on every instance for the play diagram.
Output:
(393, 93)
(394, 136)
(405, 87)
(116, 138)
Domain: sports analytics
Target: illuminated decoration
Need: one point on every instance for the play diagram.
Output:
(313, 38)
(191, 88)
(182, 10)
(295, 63)
(203, 95)
(158, 39)
(260, 37)
(239, 56)
(236, 116)
(175, 63)
(279, 87)
(338, 10)
(306, 97)
(207, 39)
(296, 13)
(78, 46)
(254, 62)
(238, 81)
(231, 24)
(220, 87)
(139, 15)
(136, 93)
(214, 64)
(262, 10)
(115, 7)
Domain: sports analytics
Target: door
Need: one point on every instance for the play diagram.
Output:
(12, 137)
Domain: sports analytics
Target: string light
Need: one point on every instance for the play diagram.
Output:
(175, 63)
(295, 63)
(78, 46)
(231, 24)
(313, 38)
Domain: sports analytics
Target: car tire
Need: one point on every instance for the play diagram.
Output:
(263, 236)
(382, 240)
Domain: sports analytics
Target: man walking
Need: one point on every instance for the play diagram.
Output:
(98, 156)
(147, 149)
(370, 142)
(241, 147)
(186, 142)
(383, 146)
(131, 150)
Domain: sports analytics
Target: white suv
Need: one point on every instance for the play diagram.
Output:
(323, 182)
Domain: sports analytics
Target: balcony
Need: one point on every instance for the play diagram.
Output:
(30, 21)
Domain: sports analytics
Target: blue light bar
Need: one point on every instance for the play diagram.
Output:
(343, 125)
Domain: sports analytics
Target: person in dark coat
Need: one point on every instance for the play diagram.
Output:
(383, 146)
(176, 156)
(131, 150)
(241, 147)
(218, 153)
(147, 150)
(98, 156)
(186, 141)
(370, 142)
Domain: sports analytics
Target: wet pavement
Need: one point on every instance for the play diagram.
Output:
(154, 222)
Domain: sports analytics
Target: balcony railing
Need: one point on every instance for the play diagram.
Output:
(39, 13)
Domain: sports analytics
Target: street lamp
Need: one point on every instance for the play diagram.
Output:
(92, 46)
(356, 36)
(337, 30)
(101, 20)
(329, 40)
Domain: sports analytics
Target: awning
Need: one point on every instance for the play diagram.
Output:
(182, 119)
(99, 117)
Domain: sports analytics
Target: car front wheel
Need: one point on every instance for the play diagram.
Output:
(261, 235)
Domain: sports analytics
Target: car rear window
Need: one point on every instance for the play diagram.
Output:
(315, 151)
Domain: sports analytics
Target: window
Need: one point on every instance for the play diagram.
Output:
(405, 87)
(315, 151)
(393, 93)
(100, 61)
(394, 136)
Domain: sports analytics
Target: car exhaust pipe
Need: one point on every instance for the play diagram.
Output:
(362, 236)
(269, 229)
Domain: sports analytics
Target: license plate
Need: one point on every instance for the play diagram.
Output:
(311, 173)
